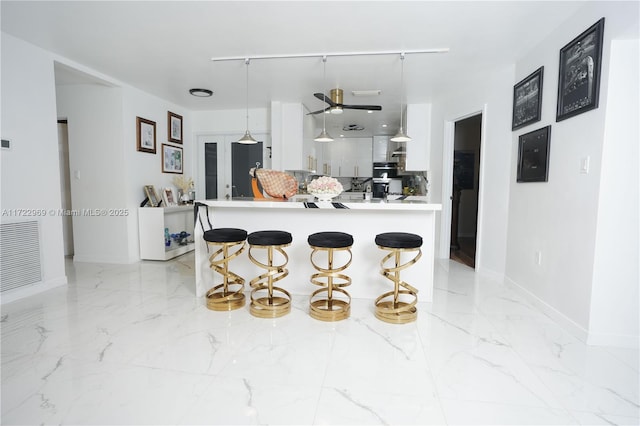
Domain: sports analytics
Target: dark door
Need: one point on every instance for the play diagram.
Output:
(466, 181)
(243, 158)
(211, 170)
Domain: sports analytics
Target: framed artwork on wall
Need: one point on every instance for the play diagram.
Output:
(579, 74)
(533, 156)
(527, 100)
(171, 159)
(174, 130)
(146, 135)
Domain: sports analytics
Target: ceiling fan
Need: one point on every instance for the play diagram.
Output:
(336, 106)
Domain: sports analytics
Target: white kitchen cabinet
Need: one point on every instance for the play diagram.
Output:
(419, 129)
(292, 137)
(351, 157)
(152, 222)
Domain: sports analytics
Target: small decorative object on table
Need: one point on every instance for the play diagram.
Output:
(184, 189)
(325, 188)
(181, 238)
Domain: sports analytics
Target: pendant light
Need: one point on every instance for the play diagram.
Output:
(324, 136)
(247, 138)
(401, 136)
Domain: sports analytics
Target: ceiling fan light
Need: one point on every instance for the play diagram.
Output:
(247, 139)
(336, 110)
(401, 136)
(323, 137)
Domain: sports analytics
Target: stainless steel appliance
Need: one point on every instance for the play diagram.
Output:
(383, 173)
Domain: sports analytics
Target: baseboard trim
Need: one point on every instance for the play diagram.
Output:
(30, 290)
(565, 322)
(97, 259)
(618, 341)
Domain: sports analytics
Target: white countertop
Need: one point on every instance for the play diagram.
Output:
(410, 203)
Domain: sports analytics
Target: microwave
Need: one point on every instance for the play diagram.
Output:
(384, 171)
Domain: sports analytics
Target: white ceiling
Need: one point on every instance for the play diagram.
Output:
(165, 47)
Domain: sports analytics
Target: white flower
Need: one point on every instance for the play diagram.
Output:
(325, 185)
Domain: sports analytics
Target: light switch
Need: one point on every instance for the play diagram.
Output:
(76, 174)
(584, 165)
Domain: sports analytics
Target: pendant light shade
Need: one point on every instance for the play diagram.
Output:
(324, 136)
(401, 136)
(247, 138)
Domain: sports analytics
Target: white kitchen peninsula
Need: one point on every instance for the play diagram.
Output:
(362, 219)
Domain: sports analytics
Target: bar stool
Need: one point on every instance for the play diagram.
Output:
(329, 308)
(222, 297)
(267, 300)
(389, 306)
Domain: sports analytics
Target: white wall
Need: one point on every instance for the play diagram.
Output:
(98, 172)
(559, 218)
(490, 95)
(614, 303)
(143, 168)
(30, 177)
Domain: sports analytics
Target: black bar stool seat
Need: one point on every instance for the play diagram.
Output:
(230, 294)
(399, 305)
(267, 300)
(323, 305)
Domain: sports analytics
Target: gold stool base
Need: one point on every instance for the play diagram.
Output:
(395, 313)
(267, 300)
(329, 309)
(270, 307)
(229, 295)
(388, 307)
(219, 301)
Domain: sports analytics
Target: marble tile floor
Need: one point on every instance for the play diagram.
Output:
(131, 345)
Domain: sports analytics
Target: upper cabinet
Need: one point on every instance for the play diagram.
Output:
(419, 128)
(349, 157)
(292, 137)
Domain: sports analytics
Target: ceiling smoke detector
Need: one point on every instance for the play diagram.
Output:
(352, 127)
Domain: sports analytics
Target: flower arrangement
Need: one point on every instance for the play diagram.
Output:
(325, 185)
(185, 184)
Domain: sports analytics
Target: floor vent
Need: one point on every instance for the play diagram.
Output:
(19, 255)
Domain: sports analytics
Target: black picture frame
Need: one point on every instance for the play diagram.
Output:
(174, 127)
(579, 73)
(527, 100)
(145, 135)
(533, 155)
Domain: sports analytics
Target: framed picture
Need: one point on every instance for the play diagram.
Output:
(579, 75)
(527, 100)
(146, 135)
(533, 156)
(151, 194)
(171, 159)
(167, 197)
(174, 131)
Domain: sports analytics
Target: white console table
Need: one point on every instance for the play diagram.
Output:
(151, 224)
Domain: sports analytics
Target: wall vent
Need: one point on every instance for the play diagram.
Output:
(19, 255)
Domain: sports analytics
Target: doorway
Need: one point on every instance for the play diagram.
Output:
(243, 158)
(465, 189)
(211, 170)
(65, 187)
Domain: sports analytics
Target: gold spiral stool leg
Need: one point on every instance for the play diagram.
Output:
(230, 294)
(390, 306)
(268, 300)
(330, 308)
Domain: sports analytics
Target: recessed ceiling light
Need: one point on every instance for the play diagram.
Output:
(384, 125)
(201, 93)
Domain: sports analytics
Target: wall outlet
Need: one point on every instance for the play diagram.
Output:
(538, 258)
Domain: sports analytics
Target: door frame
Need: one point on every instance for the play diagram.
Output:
(447, 185)
(224, 140)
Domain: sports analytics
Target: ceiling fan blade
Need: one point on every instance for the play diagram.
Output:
(319, 111)
(324, 98)
(367, 107)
